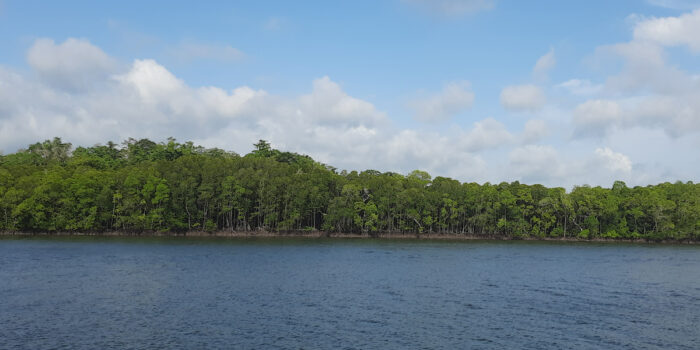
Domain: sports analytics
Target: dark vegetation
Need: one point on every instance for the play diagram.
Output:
(143, 186)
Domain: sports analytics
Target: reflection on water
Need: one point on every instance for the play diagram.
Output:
(306, 293)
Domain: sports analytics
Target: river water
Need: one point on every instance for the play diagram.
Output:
(346, 294)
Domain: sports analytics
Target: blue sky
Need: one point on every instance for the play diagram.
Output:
(555, 92)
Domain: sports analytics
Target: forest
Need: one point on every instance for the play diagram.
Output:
(142, 186)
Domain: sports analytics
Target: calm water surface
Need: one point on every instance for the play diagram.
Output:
(352, 294)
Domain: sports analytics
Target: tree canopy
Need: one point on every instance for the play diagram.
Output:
(142, 185)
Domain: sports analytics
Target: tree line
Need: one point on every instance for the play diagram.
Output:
(141, 185)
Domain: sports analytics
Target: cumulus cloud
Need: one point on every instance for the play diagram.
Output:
(440, 154)
(151, 81)
(613, 161)
(545, 64)
(145, 99)
(522, 98)
(647, 91)
(535, 130)
(488, 133)
(329, 103)
(542, 163)
(454, 98)
(677, 115)
(644, 70)
(74, 64)
(534, 163)
(595, 117)
(453, 7)
(645, 66)
(671, 31)
(148, 100)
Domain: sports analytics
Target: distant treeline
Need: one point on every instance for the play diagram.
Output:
(141, 185)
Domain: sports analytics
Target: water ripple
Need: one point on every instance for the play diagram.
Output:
(299, 294)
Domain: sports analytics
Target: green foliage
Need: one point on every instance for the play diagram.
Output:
(51, 150)
(171, 186)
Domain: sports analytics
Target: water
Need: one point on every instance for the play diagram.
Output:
(350, 294)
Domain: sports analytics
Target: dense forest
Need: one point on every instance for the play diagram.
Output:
(144, 186)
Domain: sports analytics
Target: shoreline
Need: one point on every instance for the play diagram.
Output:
(326, 235)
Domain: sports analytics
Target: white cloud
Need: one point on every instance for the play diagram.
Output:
(535, 163)
(545, 64)
(522, 98)
(227, 104)
(152, 82)
(647, 92)
(408, 148)
(671, 31)
(74, 64)
(453, 7)
(454, 98)
(613, 161)
(149, 101)
(328, 103)
(677, 115)
(542, 163)
(145, 99)
(488, 133)
(581, 87)
(535, 130)
(595, 117)
(644, 70)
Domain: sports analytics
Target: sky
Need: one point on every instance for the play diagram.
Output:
(560, 93)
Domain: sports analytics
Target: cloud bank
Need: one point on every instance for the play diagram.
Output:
(77, 91)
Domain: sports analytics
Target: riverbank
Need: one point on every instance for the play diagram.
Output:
(326, 235)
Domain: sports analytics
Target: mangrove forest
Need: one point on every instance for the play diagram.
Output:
(145, 186)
